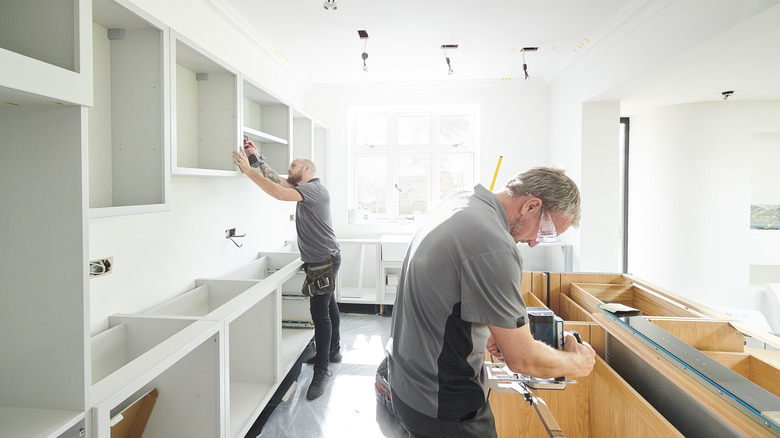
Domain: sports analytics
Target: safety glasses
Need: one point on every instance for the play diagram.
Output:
(547, 232)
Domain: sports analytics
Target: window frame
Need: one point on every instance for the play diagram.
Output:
(434, 151)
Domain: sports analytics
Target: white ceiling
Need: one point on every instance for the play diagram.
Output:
(322, 46)
(405, 36)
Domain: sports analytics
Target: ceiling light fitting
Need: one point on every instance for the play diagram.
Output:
(727, 94)
(444, 49)
(525, 66)
(330, 5)
(364, 36)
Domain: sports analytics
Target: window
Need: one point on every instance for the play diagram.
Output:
(403, 160)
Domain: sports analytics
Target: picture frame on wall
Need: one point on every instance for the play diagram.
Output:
(765, 217)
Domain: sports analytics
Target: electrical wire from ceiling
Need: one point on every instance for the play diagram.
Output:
(444, 48)
(525, 66)
(364, 36)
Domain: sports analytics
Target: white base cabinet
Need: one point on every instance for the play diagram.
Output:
(358, 278)
(370, 269)
(216, 354)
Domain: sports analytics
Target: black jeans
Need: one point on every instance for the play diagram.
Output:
(325, 315)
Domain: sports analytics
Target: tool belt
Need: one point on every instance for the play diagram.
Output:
(319, 278)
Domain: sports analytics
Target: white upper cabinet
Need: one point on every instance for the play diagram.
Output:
(128, 127)
(266, 120)
(46, 54)
(205, 107)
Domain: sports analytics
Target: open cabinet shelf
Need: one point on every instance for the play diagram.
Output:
(46, 53)
(44, 390)
(266, 120)
(180, 358)
(360, 281)
(294, 305)
(128, 127)
(205, 100)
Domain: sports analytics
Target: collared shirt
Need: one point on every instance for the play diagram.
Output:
(461, 272)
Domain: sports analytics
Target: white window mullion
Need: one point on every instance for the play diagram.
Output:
(423, 164)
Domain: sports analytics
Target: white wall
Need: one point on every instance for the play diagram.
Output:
(633, 64)
(159, 255)
(689, 199)
(600, 188)
(514, 122)
(613, 71)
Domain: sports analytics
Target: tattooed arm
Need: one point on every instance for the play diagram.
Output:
(273, 175)
(269, 180)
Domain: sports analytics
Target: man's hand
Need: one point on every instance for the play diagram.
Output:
(492, 348)
(240, 160)
(525, 355)
(585, 356)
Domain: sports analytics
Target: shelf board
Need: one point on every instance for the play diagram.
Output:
(191, 171)
(262, 137)
(19, 422)
(95, 212)
(366, 295)
(246, 399)
(294, 341)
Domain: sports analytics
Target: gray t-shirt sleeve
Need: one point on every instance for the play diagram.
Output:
(490, 289)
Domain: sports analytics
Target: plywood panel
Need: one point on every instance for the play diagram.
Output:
(532, 300)
(515, 417)
(598, 339)
(690, 305)
(719, 407)
(585, 300)
(618, 410)
(626, 294)
(772, 357)
(651, 304)
(704, 335)
(613, 293)
(600, 405)
(737, 362)
(513, 414)
(583, 328)
(765, 375)
(571, 311)
(752, 368)
(536, 284)
(554, 292)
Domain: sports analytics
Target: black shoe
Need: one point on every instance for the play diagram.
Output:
(318, 382)
(333, 358)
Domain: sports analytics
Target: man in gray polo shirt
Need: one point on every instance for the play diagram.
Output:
(316, 242)
(459, 294)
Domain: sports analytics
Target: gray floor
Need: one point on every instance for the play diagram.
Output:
(348, 408)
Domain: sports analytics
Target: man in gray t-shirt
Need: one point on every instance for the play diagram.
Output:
(317, 244)
(459, 294)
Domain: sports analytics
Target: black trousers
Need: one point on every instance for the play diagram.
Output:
(479, 424)
(325, 315)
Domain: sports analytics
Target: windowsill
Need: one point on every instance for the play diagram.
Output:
(386, 221)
